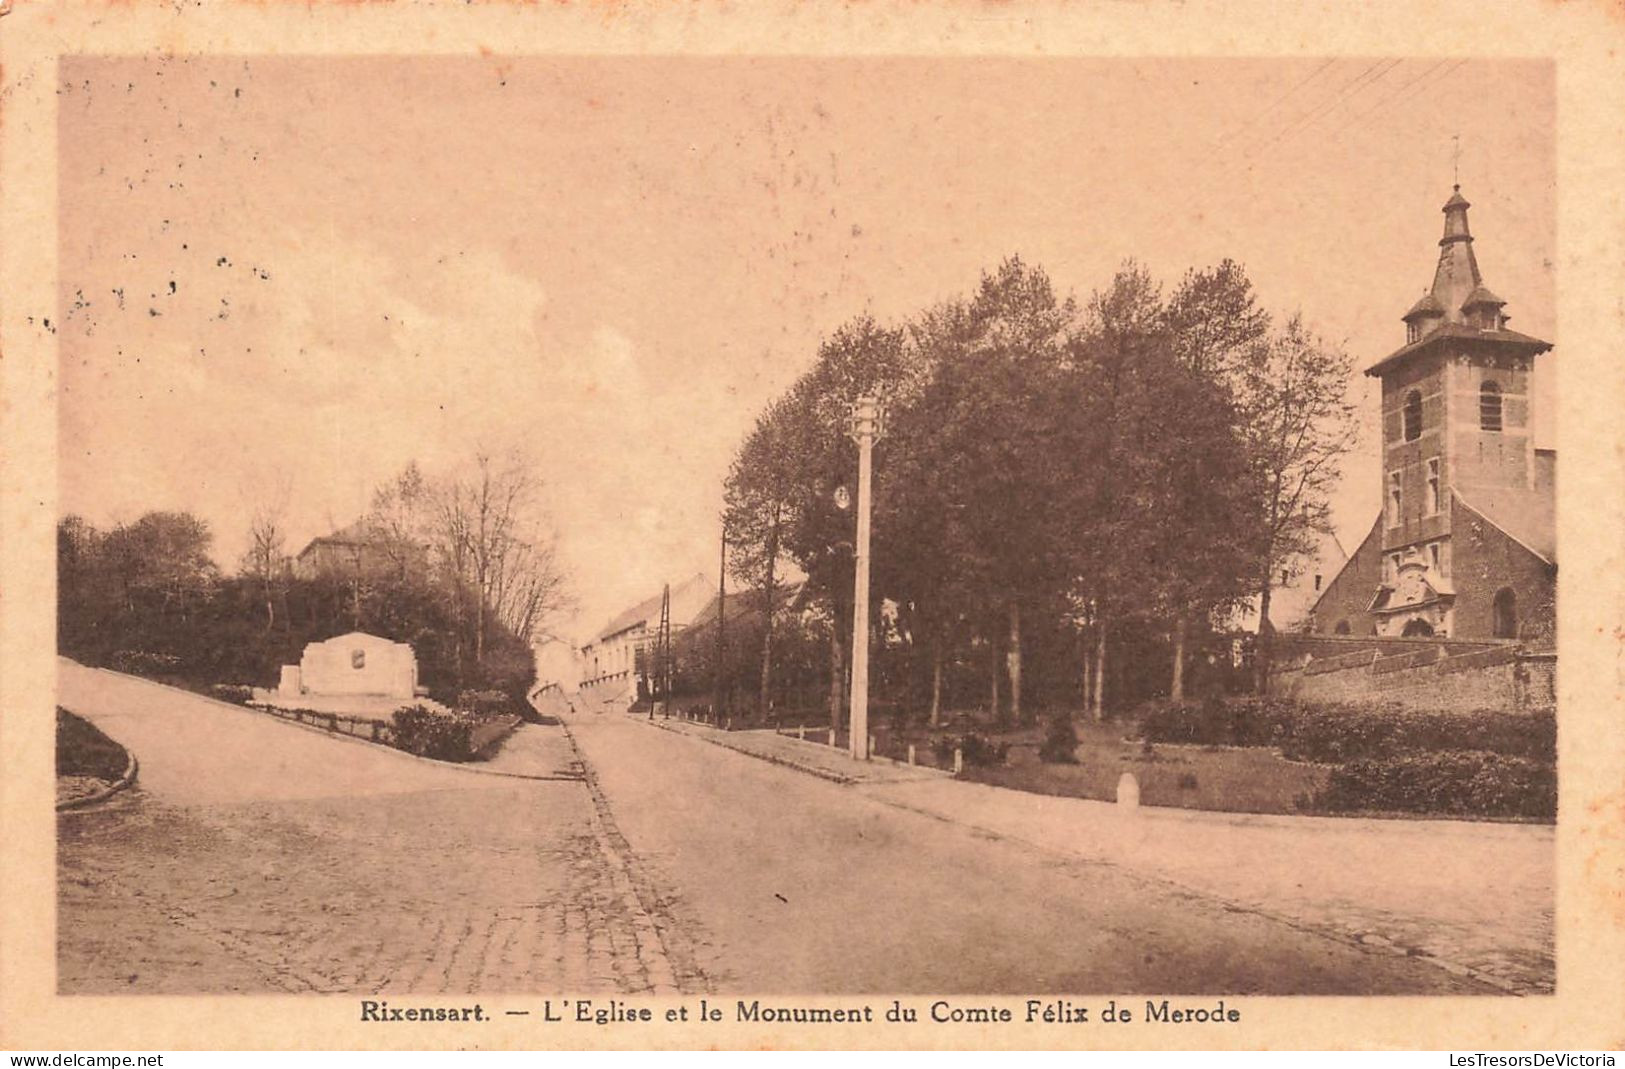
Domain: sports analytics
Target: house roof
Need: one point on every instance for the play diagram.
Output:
(743, 602)
(643, 612)
(359, 533)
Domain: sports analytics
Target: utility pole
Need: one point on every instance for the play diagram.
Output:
(660, 669)
(865, 428)
(722, 642)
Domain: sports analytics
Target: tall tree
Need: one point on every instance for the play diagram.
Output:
(1215, 326)
(1299, 424)
(1125, 336)
(757, 492)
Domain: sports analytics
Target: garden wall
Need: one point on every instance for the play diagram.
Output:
(1430, 677)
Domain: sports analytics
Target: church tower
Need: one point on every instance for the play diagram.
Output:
(1456, 435)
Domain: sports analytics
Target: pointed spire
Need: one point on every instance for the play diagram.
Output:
(1457, 274)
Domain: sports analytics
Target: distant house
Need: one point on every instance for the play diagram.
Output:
(1465, 545)
(610, 658)
(361, 549)
(1295, 588)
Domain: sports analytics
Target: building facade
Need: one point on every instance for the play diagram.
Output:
(1465, 544)
(609, 660)
(359, 550)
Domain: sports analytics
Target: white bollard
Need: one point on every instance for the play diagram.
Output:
(871, 745)
(1128, 791)
(832, 736)
(911, 753)
(959, 760)
(801, 732)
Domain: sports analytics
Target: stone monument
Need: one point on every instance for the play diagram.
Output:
(352, 665)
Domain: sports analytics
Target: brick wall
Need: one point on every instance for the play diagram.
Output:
(1454, 676)
(1485, 560)
(1348, 594)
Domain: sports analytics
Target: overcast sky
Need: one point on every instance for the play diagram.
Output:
(303, 273)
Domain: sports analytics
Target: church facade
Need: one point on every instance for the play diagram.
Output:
(1465, 545)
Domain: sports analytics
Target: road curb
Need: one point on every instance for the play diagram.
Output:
(131, 770)
(772, 759)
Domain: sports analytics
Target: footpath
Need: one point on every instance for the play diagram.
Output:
(815, 759)
(1475, 899)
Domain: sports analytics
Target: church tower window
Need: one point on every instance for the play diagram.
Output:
(1393, 499)
(1413, 415)
(1433, 486)
(1489, 406)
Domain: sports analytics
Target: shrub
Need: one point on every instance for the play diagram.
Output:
(232, 692)
(1333, 732)
(1060, 743)
(144, 662)
(487, 703)
(977, 750)
(1345, 731)
(1248, 721)
(428, 733)
(1464, 782)
(82, 749)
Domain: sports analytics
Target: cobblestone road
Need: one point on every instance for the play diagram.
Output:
(452, 882)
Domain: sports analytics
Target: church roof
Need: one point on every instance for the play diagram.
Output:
(1427, 304)
(1482, 295)
(1461, 332)
(1528, 517)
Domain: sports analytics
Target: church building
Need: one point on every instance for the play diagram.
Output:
(1465, 546)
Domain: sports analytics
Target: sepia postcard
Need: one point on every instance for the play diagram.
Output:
(812, 526)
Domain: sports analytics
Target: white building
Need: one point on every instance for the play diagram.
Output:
(607, 662)
(1296, 587)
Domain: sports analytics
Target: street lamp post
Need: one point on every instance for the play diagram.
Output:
(865, 428)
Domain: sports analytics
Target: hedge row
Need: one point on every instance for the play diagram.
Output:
(1335, 732)
(1462, 782)
(429, 733)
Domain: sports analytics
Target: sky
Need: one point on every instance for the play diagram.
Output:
(283, 278)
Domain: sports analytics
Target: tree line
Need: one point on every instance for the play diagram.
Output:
(461, 566)
(1061, 483)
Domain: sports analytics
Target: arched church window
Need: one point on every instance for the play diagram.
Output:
(1413, 415)
(1489, 406)
(1505, 612)
(1417, 628)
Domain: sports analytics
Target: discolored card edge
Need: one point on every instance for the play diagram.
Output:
(1585, 40)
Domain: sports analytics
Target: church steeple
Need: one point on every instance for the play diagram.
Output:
(1456, 277)
(1459, 309)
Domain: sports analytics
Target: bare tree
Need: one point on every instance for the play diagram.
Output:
(266, 557)
(500, 555)
(1294, 398)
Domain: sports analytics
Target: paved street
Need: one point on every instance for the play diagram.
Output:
(256, 855)
(792, 883)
